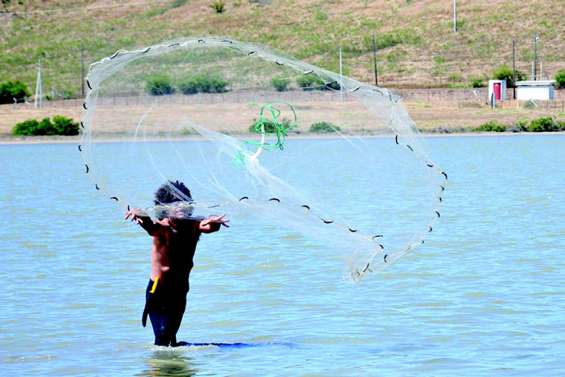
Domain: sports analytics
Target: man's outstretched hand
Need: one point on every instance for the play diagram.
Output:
(136, 215)
(213, 223)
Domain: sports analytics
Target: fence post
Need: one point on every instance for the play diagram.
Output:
(376, 72)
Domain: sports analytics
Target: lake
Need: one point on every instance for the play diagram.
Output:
(484, 296)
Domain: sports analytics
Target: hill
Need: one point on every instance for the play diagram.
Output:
(416, 44)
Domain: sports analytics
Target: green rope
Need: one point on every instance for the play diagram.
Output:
(239, 159)
(274, 125)
(267, 125)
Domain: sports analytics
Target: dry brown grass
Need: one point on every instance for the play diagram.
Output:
(235, 115)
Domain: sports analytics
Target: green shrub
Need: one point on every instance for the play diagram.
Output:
(477, 82)
(13, 89)
(214, 84)
(560, 79)
(521, 125)
(65, 126)
(543, 124)
(310, 82)
(504, 72)
(270, 126)
(491, 126)
(520, 76)
(25, 128)
(189, 86)
(46, 127)
(280, 83)
(159, 85)
(203, 84)
(218, 5)
(60, 125)
(324, 127)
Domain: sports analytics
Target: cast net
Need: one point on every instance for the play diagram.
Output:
(258, 135)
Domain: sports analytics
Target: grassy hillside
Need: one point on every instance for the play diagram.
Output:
(416, 45)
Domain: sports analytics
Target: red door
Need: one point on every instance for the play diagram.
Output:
(497, 91)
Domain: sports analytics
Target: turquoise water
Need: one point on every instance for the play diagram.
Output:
(484, 296)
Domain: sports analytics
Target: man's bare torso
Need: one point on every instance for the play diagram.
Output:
(174, 244)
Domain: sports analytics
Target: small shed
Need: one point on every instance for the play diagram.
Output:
(496, 91)
(543, 90)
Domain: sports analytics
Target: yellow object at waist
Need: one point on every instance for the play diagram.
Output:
(154, 286)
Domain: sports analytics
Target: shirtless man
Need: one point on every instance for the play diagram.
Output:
(175, 235)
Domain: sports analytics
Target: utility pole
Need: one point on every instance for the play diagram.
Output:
(514, 68)
(455, 16)
(340, 74)
(38, 103)
(375, 60)
(82, 71)
(535, 68)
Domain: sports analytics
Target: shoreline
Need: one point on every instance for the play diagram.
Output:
(37, 140)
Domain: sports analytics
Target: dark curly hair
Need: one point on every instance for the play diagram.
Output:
(171, 192)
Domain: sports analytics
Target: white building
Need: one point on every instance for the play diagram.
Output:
(535, 90)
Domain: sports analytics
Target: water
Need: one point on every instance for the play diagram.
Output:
(484, 296)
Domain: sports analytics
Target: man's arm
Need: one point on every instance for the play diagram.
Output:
(213, 224)
(142, 219)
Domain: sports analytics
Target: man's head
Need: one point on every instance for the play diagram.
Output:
(173, 199)
(172, 192)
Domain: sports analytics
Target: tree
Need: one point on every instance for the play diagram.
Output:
(560, 78)
(504, 72)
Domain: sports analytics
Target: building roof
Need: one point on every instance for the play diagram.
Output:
(536, 83)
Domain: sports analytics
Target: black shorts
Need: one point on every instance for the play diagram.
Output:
(165, 307)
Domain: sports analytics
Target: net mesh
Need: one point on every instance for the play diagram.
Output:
(234, 122)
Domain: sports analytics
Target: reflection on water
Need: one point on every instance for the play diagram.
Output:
(169, 363)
